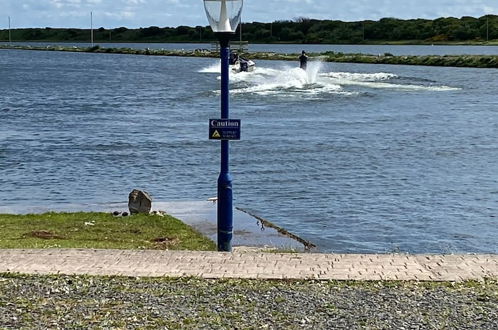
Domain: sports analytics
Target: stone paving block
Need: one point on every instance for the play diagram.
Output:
(250, 265)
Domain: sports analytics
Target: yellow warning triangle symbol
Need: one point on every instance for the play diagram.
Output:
(216, 134)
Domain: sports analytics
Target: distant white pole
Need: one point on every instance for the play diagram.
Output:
(91, 26)
(10, 35)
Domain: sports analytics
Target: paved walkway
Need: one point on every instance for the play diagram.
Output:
(254, 265)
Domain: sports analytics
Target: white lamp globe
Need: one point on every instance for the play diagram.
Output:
(223, 15)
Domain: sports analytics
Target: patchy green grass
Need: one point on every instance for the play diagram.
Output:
(99, 231)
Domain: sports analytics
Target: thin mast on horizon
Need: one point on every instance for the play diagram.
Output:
(10, 35)
(91, 26)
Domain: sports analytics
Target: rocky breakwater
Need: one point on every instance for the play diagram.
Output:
(474, 61)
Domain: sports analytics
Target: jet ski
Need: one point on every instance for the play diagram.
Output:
(243, 65)
(240, 64)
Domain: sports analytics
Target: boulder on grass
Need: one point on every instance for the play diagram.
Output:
(139, 202)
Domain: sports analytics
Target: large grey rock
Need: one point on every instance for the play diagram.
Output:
(139, 202)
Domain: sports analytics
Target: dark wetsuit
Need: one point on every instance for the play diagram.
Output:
(233, 58)
(244, 65)
(303, 59)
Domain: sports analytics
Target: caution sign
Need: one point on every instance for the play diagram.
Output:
(224, 129)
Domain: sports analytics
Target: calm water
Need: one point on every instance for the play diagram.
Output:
(361, 49)
(356, 158)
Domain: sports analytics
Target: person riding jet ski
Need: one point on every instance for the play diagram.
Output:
(241, 64)
(244, 64)
(303, 60)
(234, 57)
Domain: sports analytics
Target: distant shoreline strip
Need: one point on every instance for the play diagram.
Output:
(469, 61)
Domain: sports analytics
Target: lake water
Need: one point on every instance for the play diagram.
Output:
(353, 157)
(293, 48)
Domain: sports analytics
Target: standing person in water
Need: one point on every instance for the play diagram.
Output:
(303, 60)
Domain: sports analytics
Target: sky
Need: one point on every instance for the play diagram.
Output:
(172, 13)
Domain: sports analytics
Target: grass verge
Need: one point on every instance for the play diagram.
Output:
(99, 231)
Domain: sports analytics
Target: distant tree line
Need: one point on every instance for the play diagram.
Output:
(300, 30)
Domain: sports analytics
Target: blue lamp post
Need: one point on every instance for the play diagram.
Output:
(224, 17)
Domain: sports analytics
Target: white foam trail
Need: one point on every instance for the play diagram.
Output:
(360, 76)
(377, 81)
(289, 87)
(292, 81)
(406, 87)
(213, 68)
(287, 81)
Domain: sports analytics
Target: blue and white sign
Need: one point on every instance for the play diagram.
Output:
(224, 129)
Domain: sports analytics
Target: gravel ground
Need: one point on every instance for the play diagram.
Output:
(119, 302)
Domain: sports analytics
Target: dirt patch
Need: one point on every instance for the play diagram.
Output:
(163, 243)
(43, 234)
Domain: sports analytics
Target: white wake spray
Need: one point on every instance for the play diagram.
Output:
(290, 81)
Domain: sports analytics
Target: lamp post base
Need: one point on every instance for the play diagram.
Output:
(225, 211)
